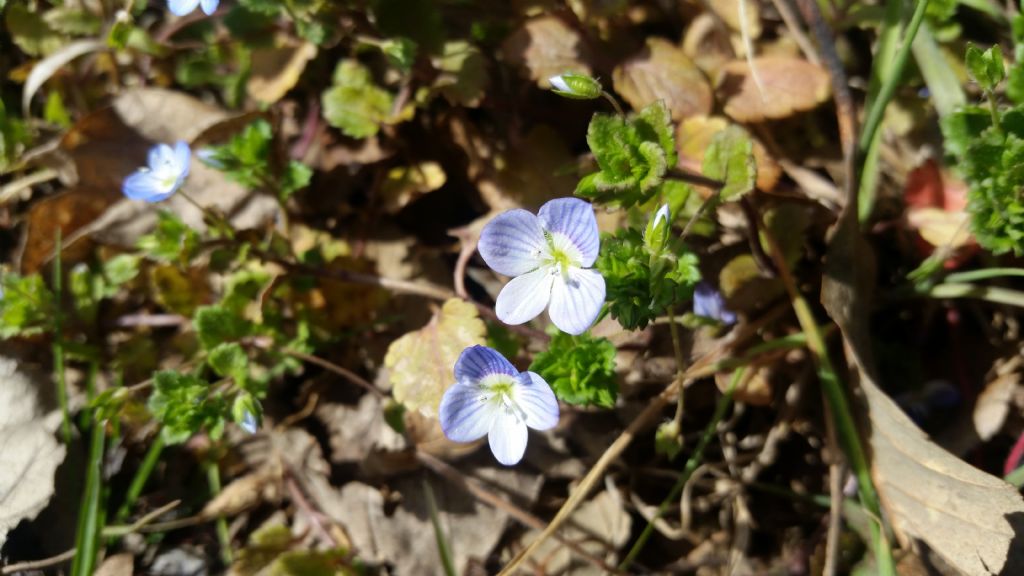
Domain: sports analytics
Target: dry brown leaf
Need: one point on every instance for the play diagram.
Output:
(693, 136)
(993, 404)
(708, 44)
(544, 47)
(600, 526)
(403, 536)
(420, 362)
(275, 70)
(117, 565)
(789, 85)
(69, 211)
(243, 493)
(940, 227)
(29, 453)
(662, 71)
(932, 498)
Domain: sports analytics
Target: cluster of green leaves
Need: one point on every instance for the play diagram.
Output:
(642, 279)
(249, 158)
(633, 153)
(91, 284)
(354, 103)
(185, 404)
(171, 240)
(988, 144)
(580, 369)
(312, 18)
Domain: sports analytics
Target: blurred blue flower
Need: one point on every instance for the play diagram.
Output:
(167, 170)
(708, 302)
(491, 397)
(183, 7)
(549, 255)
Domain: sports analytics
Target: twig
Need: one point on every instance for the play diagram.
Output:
(487, 497)
(297, 495)
(117, 531)
(38, 564)
(785, 11)
(340, 371)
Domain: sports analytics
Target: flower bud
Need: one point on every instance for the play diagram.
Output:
(247, 412)
(576, 86)
(656, 233)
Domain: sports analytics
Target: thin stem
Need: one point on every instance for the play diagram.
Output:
(711, 200)
(141, 476)
(443, 550)
(993, 294)
(677, 349)
(987, 273)
(58, 340)
(614, 102)
(691, 464)
(993, 109)
(212, 216)
(223, 536)
(89, 513)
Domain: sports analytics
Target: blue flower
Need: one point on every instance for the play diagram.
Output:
(708, 302)
(183, 7)
(167, 170)
(549, 255)
(491, 397)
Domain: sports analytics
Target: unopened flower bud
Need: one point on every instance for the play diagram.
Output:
(576, 86)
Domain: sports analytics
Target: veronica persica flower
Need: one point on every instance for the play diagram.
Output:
(166, 172)
(708, 302)
(549, 255)
(183, 7)
(490, 397)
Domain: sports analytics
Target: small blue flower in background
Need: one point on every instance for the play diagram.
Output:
(491, 397)
(183, 7)
(167, 170)
(549, 255)
(708, 302)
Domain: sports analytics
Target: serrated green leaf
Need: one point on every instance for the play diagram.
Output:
(183, 404)
(729, 158)
(216, 325)
(985, 67)
(962, 127)
(579, 369)
(229, 360)
(654, 123)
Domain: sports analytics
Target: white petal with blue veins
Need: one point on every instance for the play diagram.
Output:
(576, 301)
(526, 296)
(513, 243)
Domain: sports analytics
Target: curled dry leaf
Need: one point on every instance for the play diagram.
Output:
(420, 362)
(755, 388)
(275, 70)
(693, 136)
(972, 519)
(662, 71)
(531, 173)
(544, 47)
(243, 493)
(787, 86)
(29, 454)
(993, 404)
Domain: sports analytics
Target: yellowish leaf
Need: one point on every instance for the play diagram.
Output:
(406, 183)
(421, 362)
(940, 227)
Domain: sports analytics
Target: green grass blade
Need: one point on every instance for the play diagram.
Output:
(90, 511)
(443, 550)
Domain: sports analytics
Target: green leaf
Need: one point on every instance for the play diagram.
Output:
(55, 112)
(30, 32)
(229, 360)
(171, 241)
(400, 52)
(580, 369)
(964, 126)
(355, 105)
(184, 405)
(73, 21)
(633, 153)
(216, 325)
(26, 305)
(985, 67)
(296, 177)
(729, 158)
